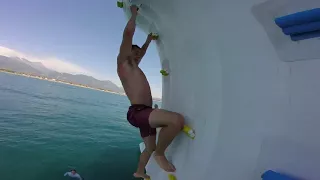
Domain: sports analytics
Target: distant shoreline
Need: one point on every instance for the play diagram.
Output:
(57, 81)
(62, 82)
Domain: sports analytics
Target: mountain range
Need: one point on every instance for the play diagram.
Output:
(37, 68)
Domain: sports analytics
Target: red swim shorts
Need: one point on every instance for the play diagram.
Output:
(138, 116)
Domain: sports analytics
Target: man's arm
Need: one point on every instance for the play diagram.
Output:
(126, 45)
(145, 46)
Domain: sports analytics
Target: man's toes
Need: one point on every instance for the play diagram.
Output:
(172, 167)
(141, 175)
(146, 176)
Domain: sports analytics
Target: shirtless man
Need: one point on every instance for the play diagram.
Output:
(140, 113)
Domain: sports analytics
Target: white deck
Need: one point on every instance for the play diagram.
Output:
(231, 78)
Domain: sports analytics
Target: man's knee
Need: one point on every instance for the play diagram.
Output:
(178, 121)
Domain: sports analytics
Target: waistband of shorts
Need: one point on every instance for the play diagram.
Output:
(139, 106)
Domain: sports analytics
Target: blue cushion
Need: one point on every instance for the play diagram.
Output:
(298, 18)
(304, 28)
(271, 175)
(298, 37)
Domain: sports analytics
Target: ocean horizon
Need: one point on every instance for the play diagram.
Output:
(48, 128)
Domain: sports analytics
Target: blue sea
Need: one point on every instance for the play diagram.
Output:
(47, 128)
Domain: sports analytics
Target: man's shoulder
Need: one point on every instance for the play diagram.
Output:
(123, 57)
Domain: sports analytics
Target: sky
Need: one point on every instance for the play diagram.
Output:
(75, 36)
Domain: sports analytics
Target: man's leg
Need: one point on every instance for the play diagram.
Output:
(150, 143)
(171, 124)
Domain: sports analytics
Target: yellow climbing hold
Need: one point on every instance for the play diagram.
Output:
(171, 177)
(164, 72)
(120, 4)
(155, 36)
(190, 132)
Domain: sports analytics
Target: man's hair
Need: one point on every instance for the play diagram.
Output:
(73, 170)
(135, 46)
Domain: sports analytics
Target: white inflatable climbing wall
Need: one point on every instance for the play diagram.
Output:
(251, 94)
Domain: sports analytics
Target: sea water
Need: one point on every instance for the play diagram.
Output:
(47, 128)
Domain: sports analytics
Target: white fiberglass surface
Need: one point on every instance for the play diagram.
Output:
(252, 105)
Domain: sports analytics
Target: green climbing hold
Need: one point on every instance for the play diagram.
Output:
(164, 72)
(120, 4)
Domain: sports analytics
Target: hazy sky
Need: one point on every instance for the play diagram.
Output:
(86, 34)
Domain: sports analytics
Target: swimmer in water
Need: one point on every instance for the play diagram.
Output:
(156, 106)
(73, 174)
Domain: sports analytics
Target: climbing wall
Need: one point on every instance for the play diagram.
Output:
(252, 111)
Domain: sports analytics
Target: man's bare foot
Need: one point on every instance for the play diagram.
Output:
(164, 163)
(141, 175)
